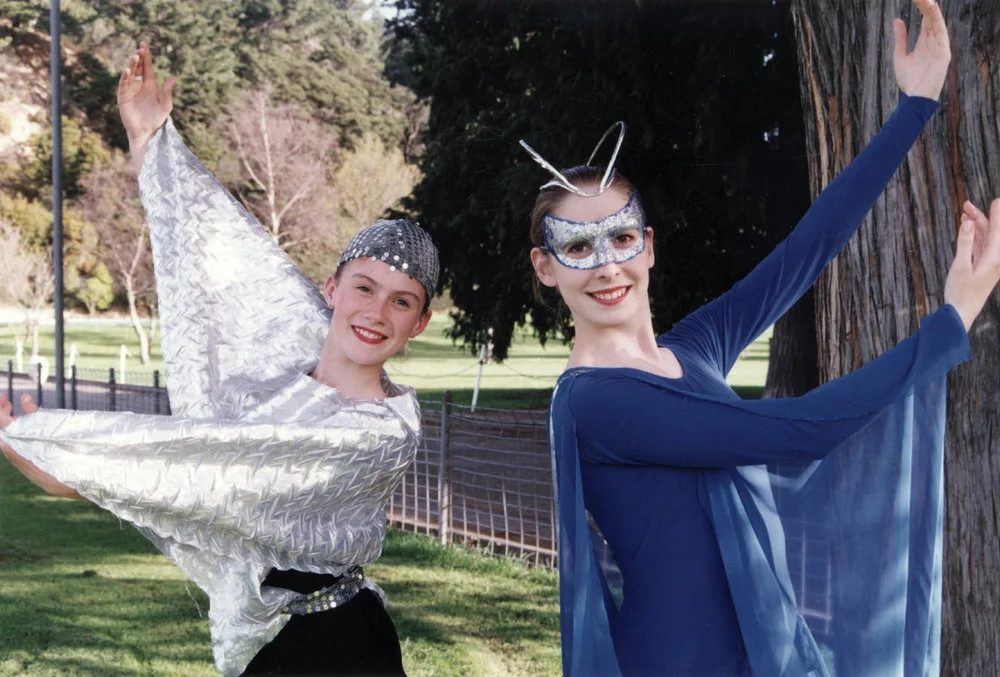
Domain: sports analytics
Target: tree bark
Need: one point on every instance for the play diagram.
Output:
(792, 360)
(892, 273)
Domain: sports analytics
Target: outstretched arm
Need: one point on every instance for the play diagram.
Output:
(726, 326)
(37, 476)
(143, 104)
(637, 419)
(199, 481)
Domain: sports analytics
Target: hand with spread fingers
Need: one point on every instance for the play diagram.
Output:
(922, 72)
(974, 274)
(143, 104)
(38, 477)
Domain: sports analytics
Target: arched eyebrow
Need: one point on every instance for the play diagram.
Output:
(371, 282)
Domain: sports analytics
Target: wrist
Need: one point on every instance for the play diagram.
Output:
(137, 150)
(966, 315)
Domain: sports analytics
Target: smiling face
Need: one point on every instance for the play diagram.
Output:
(375, 310)
(602, 272)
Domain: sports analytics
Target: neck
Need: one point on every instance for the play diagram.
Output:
(613, 346)
(350, 378)
(630, 344)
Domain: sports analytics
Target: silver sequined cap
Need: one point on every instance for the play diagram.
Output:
(403, 245)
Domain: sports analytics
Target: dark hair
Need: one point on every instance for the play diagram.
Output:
(340, 269)
(585, 177)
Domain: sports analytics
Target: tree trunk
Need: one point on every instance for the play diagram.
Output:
(892, 273)
(792, 360)
(133, 314)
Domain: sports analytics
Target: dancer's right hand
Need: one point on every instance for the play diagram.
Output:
(143, 104)
(974, 273)
(36, 475)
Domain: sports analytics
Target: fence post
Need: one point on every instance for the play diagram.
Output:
(41, 389)
(72, 387)
(156, 391)
(112, 395)
(444, 481)
(10, 380)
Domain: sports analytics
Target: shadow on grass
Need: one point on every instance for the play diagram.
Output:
(35, 526)
(92, 624)
(70, 602)
(469, 597)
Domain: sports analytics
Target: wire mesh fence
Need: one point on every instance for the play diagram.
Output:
(480, 478)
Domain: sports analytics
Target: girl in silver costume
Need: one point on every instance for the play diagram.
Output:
(267, 486)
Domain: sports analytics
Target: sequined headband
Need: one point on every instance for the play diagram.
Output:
(403, 245)
(561, 181)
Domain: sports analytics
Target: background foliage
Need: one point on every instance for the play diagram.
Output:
(711, 100)
(322, 59)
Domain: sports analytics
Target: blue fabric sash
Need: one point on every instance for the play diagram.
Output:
(834, 566)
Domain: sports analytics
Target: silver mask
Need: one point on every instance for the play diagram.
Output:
(590, 244)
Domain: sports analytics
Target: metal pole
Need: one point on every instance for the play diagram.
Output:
(485, 354)
(41, 385)
(10, 381)
(156, 391)
(112, 395)
(444, 482)
(479, 377)
(57, 224)
(72, 387)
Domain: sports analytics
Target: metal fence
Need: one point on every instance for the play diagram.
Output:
(482, 478)
(91, 389)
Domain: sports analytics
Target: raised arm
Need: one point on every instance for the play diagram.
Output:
(754, 303)
(142, 103)
(639, 418)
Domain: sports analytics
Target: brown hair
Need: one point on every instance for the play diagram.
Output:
(585, 177)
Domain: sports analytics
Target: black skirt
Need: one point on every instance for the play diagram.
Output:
(355, 639)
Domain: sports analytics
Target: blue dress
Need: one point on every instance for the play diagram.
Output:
(675, 495)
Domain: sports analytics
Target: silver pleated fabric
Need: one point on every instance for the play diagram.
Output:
(261, 466)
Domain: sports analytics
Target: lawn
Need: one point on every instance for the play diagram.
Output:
(86, 595)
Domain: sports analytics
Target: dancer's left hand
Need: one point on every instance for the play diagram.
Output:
(37, 476)
(922, 72)
(143, 104)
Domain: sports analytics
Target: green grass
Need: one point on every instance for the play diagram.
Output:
(460, 612)
(85, 595)
(432, 363)
(99, 344)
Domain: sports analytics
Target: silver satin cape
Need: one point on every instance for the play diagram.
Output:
(261, 466)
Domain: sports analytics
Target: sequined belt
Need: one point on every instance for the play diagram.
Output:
(341, 592)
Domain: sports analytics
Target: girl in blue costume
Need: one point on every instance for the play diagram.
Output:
(671, 532)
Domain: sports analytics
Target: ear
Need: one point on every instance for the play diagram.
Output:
(329, 287)
(421, 324)
(650, 253)
(542, 262)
